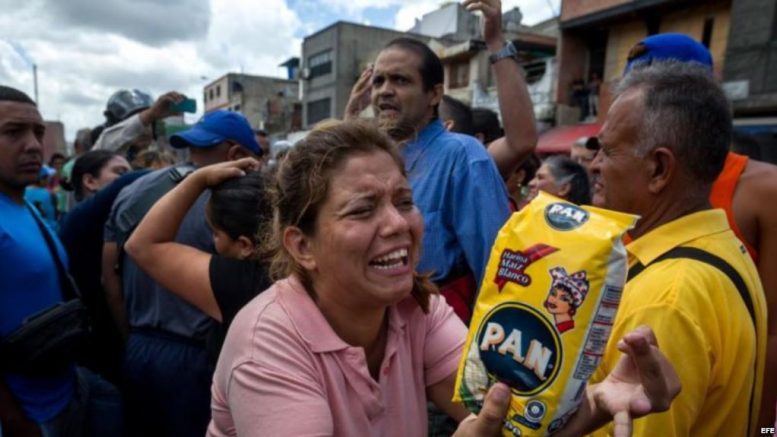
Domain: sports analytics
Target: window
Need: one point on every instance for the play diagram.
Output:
(205, 96)
(218, 90)
(534, 72)
(210, 93)
(706, 36)
(319, 110)
(459, 75)
(320, 64)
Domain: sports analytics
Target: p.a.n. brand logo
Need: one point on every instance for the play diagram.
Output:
(513, 264)
(519, 347)
(565, 216)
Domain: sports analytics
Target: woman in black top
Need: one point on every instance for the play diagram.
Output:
(221, 284)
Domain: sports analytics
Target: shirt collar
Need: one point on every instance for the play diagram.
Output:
(413, 150)
(313, 326)
(676, 233)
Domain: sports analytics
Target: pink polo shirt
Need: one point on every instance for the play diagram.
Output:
(284, 372)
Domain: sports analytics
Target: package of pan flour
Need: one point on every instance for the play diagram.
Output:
(545, 311)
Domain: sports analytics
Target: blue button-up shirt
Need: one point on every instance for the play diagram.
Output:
(462, 198)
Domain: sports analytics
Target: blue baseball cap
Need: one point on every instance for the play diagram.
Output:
(216, 127)
(668, 46)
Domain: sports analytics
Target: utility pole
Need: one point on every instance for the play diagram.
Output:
(35, 82)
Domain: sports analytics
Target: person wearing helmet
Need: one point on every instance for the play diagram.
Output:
(129, 116)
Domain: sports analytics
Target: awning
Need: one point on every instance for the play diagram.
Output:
(560, 139)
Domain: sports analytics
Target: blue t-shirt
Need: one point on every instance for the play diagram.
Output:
(148, 304)
(29, 283)
(43, 201)
(462, 198)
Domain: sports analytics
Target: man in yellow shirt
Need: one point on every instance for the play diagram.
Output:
(663, 143)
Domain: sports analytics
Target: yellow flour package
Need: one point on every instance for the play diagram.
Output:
(545, 311)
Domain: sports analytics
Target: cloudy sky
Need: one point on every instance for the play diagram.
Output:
(85, 50)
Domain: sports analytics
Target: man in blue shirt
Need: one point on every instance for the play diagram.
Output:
(69, 401)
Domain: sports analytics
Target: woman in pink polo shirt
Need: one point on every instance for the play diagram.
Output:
(350, 341)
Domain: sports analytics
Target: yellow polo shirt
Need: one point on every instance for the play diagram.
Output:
(702, 326)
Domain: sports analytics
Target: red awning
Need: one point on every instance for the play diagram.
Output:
(560, 139)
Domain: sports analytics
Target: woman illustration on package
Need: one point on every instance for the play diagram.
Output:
(566, 294)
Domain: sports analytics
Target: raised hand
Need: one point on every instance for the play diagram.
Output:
(642, 382)
(360, 94)
(491, 22)
(215, 174)
(161, 107)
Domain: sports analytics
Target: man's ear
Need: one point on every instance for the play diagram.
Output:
(236, 152)
(662, 167)
(89, 182)
(299, 247)
(564, 190)
(449, 125)
(437, 92)
(245, 247)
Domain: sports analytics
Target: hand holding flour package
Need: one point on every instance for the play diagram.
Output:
(545, 311)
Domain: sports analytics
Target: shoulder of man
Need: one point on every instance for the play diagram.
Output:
(464, 146)
(134, 200)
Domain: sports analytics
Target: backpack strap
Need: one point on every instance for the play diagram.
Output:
(724, 267)
(129, 218)
(67, 284)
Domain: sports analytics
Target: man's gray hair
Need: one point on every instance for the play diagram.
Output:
(686, 111)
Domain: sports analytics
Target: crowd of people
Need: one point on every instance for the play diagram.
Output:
(327, 289)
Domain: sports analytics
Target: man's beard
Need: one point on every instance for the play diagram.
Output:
(399, 129)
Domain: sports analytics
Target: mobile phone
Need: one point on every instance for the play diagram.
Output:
(185, 105)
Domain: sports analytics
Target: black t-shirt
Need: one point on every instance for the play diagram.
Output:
(235, 282)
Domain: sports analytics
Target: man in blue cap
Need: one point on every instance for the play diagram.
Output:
(740, 190)
(167, 371)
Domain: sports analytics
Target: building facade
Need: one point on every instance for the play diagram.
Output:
(54, 139)
(268, 103)
(596, 36)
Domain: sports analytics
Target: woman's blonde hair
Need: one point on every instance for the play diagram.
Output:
(302, 184)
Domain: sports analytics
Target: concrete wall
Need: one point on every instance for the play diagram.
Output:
(54, 139)
(626, 31)
(220, 101)
(577, 8)
(751, 55)
(572, 60)
(690, 21)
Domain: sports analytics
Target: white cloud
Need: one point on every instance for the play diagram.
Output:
(533, 11)
(83, 59)
(86, 51)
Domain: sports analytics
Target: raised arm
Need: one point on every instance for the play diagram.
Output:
(182, 269)
(515, 104)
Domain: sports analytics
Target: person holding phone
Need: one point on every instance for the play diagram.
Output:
(134, 131)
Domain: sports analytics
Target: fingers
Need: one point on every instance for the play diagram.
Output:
(488, 7)
(364, 79)
(490, 419)
(659, 380)
(622, 424)
(217, 173)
